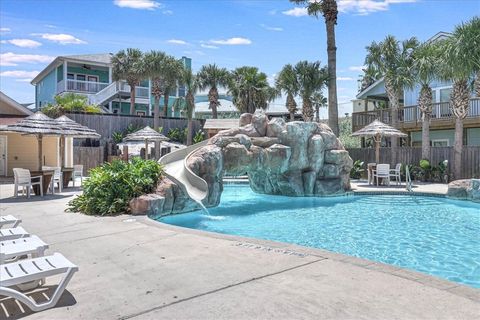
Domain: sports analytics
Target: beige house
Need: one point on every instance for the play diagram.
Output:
(21, 151)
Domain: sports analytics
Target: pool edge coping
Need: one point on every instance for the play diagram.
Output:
(431, 281)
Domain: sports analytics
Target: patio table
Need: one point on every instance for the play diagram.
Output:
(67, 176)
(47, 176)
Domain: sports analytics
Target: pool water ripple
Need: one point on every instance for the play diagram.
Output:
(432, 235)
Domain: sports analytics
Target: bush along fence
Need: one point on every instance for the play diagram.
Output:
(108, 124)
(413, 155)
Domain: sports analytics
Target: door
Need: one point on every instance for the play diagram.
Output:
(81, 82)
(3, 155)
(92, 85)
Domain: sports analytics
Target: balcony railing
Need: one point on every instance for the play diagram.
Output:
(81, 86)
(140, 92)
(412, 114)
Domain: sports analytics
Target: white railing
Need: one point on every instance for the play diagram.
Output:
(85, 86)
(104, 94)
(140, 92)
(60, 86)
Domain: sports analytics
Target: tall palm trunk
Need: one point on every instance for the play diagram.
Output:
(307, 110)
(393, 98)
(190, 99)
(213, 101)
(132, 85)
(291, 106)
(477, 85)
(425, 106)
(317, 113)
(157, 94)
(459, 104)
(330, 13)
(165, 103)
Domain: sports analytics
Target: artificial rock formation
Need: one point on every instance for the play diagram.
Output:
(291, 159)
(466, 189)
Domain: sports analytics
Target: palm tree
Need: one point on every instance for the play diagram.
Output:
(172, 73)
(460, 61)
(393, 60)
(311, 78)
(318, 101)
(425, 70)
(287, 82)
(211, 77)
(250, 89)
(128, 66)
(154, 64)
(189, 80)
(329, 10)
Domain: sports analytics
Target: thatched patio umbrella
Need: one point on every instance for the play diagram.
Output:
(74, 130)
(146, 134)
(38, 125)
(377, 130)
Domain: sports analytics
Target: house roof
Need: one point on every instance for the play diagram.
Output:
(221, 124)
(103, 59)
(377, 85)
(20, 109)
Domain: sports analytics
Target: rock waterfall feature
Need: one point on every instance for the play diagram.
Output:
(290, 159)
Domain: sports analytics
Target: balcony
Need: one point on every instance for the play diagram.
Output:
(410, 119)
(80, 86)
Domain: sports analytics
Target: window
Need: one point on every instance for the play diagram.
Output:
(440, 143)
(445, 94)
(70, 76)
(140, 113)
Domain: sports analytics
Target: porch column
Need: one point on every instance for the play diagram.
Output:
(65, 75)
(109, 75)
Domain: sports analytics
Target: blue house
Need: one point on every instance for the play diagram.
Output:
(372, 103)
(91, 75)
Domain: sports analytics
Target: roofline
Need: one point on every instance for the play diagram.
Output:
(370, 87)
(15, 104)
(438, 35)
(57, 61)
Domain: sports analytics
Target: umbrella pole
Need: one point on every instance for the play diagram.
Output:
(40, 151)
(377, 148)
(146, 149)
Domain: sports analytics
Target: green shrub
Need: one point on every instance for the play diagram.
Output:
(69, 102)
(357, 169)
(199, 136)
(112, 185)
(178, 135)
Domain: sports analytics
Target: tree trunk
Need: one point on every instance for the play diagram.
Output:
(189, 131)
(156, 112)
(425, 106)
(457, 149)
(477, 85)
(291, 106)
(307, 110)
(165, 103)
(332, 77)
(213, 101)
(317, 113)
(426, 137)
(132, 99)
(392, 94)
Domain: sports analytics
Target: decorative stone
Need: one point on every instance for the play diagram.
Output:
(245, 118)
(264, 142)
(276, 127)
(260, 122)
(466, 189)
(336, 156)
(147, 204)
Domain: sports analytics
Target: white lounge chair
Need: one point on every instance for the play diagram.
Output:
(13, 233)
(382, 172)
(26, 271)
(11, 250)
(395, 173)
(370, 169)
(23, 179)
(77, 172)
(9, 219)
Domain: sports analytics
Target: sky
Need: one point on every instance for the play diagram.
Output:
(266, 34)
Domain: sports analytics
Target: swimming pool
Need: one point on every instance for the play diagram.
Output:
(432, 235)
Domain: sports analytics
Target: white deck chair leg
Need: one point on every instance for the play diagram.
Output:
(34, 306)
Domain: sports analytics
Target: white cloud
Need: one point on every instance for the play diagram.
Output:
(296, 12)
(177, 41)
(5, 30)
(272, 12)
(19, 74)
(13, 59)
(60, 38)
(232, 41)
(167, 12)
(23, 43)
(196, 52)
(24, 80)
(365, 7)
(138, 4)
(356, 68)
(278, 29)
(345, 79)
(208, 46)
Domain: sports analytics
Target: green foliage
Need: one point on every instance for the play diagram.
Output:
(178, 135)
(111, 186)
(69, 102)
(199, 136)
(117, 137)
(357, 169)
(426, 172)
(346, 134)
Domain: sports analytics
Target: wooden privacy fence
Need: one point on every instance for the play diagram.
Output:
(413, 155)
(89, 157)
(106, 124)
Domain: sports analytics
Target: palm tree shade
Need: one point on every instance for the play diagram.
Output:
(189, 80)
(154, 65)
(329, 10)
(311, 78)
(286, 81)
(211, 77)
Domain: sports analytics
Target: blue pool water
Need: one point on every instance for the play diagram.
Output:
(436, 236)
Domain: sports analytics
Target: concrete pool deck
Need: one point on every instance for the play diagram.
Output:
(136, 268)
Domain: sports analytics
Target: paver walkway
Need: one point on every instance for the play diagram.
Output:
(135, 268)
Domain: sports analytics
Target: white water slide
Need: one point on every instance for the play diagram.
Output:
(175, 166)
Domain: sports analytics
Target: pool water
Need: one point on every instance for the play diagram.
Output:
(432, 235)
